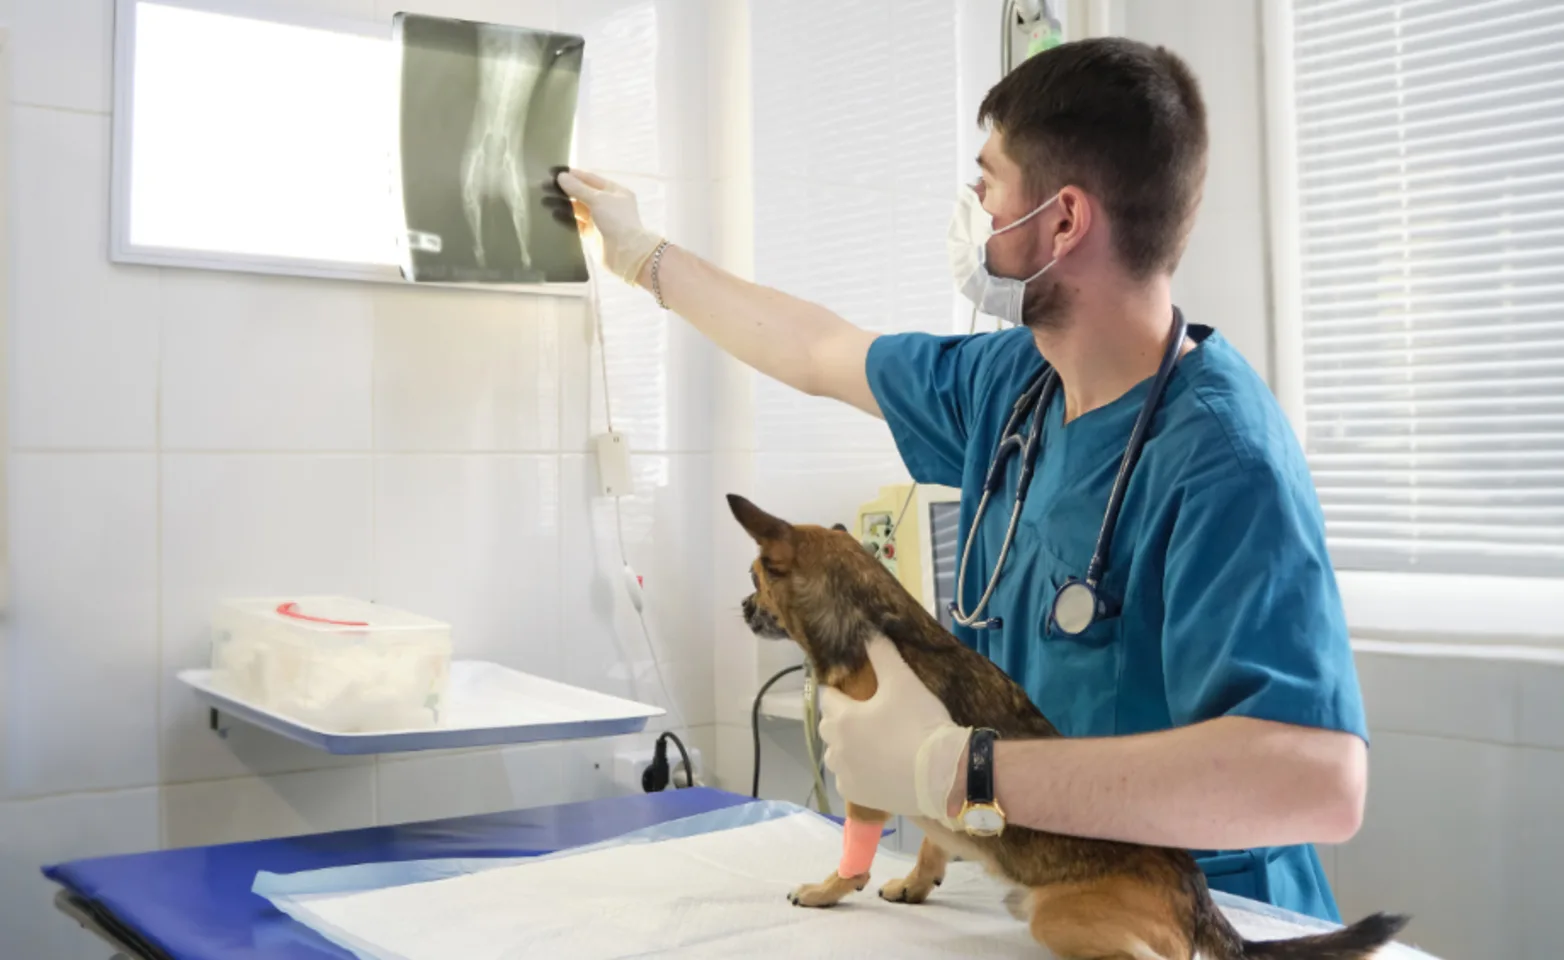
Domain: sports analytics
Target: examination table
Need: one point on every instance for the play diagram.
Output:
(196, 904)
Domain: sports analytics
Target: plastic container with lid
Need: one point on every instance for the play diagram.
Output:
(335, 663)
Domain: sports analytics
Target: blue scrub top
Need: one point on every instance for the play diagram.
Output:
(1222, 599)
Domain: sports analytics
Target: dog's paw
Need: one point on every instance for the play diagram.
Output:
(1019, 902)
(829, 893)
(908, 890)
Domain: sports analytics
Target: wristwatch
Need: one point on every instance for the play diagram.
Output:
(980, 814)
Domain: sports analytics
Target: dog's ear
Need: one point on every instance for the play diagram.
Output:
(758, 523)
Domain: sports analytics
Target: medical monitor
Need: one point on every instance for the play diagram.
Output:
(923, 552)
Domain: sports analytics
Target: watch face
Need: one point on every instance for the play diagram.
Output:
(983, 820)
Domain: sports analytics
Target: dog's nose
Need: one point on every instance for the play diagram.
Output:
(749, 606)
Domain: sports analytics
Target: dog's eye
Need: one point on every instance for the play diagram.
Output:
(772, 572)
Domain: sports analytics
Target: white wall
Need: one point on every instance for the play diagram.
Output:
(180, 436)
(1223, 278)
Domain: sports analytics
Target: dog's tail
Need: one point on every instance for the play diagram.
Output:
(1361, 941)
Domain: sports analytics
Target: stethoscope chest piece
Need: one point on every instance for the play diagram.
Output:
(1076, 607)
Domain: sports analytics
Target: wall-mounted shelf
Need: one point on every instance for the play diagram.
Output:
(783, 705)
(489, 705)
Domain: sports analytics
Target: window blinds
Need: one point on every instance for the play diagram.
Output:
(1430, 194)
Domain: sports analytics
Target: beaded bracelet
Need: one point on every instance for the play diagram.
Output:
(657, 287)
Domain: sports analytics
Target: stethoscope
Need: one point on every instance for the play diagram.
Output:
(1077, 604)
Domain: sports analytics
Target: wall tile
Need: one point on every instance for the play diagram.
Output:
(82, 645)
(667, 539)
(735, 754)
(1441, 696)
(468, 783)
(1542, 705)
(474, 540)
(1433, 844)
(643, 370)
(265, 363)
(63, 52)
(84, 332)
(247, 526)
(586, 769)
(1534, 850)
(736, 650)
(55, 830)
(464, 370)
(280, 805)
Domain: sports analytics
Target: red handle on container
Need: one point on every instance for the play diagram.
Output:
(292, 610)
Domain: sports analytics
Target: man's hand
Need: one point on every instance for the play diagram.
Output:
(899, 750)
(603, 204)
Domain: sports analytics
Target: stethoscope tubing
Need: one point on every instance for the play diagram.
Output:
(1036, 398)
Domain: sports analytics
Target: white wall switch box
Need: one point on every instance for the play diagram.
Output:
(613, 465)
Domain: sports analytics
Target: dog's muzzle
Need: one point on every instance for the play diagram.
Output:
(761, 622)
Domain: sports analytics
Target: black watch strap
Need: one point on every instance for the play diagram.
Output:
(980, 765)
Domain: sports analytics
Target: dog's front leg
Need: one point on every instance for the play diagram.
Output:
(927, 873)
(859, 841)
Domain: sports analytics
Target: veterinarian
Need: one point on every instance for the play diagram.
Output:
(1211, 701)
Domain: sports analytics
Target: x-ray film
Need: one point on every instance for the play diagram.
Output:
(486, 117)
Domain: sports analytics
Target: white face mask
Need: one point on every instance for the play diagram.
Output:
(970, 229)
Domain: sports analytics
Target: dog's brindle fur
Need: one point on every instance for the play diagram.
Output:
(1084, 898)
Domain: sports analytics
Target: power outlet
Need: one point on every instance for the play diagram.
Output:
(630, 764)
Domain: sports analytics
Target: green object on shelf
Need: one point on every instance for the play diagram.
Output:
(1043, 35)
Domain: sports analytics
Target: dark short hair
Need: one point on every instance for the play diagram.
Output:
(1123, 121)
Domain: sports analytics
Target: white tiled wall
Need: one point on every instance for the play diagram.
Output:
(179, 436)
(1462, 828)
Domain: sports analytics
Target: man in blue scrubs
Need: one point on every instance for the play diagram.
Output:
(1214, 706)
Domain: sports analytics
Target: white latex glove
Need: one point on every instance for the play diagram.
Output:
(603, 204)
(899, 751)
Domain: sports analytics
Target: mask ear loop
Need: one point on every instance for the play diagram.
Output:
(1035, 211)
(1047, 266)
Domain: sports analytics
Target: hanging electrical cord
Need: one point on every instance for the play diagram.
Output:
(595, 317)
(754, 723)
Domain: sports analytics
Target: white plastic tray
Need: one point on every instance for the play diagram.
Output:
(488, 705)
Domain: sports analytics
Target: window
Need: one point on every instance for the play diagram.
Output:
(256, 141)
(1420, 251)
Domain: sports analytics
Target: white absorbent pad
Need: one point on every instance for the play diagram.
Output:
(718, 894)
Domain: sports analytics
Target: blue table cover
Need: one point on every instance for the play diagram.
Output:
(196, 904)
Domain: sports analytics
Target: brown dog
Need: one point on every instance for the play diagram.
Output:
(1085, 899)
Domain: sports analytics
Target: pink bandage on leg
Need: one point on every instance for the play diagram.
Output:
(859, 841)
